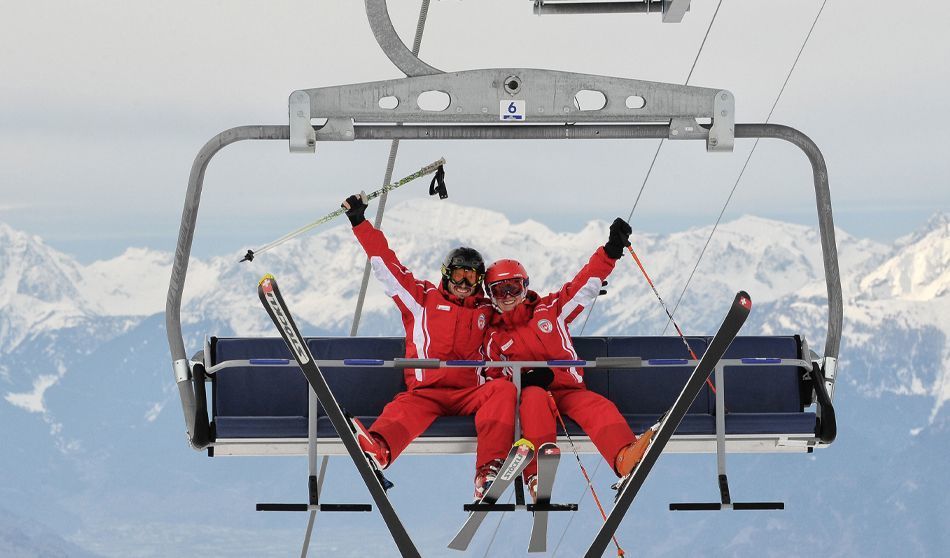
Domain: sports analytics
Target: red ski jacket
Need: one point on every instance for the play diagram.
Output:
(537, 329)
(438, 324)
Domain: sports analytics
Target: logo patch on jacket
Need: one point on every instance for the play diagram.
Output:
(481, 321)
(445, 307)
(545, 326)
(508, 344)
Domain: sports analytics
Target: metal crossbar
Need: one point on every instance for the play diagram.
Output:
(602, 362)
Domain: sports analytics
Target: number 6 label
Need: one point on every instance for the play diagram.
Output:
(511, 110)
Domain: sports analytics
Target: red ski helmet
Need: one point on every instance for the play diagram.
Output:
(505, 269)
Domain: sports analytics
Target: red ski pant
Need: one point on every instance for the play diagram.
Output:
(411, 412)
(594, 413)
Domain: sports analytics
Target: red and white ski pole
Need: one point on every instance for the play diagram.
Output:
(663, 304)
(553, 405)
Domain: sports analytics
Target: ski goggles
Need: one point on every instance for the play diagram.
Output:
(507, 288)
(464, 276)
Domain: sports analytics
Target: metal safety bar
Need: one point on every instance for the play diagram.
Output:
(602, 362)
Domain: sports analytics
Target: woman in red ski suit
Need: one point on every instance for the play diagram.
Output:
(445, 322)
(532, 327)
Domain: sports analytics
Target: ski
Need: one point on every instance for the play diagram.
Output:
(518, 458)
(628, 487)
(277, 310)
(548, 457)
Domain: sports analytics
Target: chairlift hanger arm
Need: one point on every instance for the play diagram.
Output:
(379, 21)
(377, 13)
(176, 284)
(826, 228)
(481, 97)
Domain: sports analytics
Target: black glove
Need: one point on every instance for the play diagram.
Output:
(541, 377)
(619, 238)
(355, 207)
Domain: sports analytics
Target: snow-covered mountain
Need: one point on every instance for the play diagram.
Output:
(90, 427)
(903, 287)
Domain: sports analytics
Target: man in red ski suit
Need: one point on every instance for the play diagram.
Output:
(531, 327)
(445, 322)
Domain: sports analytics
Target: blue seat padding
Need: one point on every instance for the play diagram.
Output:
(762, 389)
(770, 423)
(272, 401)
(443, 427)
(263, 427)
(361, 391)
(589, 348)
(259, 401)
(651, 391)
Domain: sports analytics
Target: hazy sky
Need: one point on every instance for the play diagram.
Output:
(104, 104)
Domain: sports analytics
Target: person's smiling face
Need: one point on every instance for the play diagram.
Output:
(507, 294)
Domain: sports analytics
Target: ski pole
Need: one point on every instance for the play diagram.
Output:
(663, 304)
(428, 169)
(553, 405)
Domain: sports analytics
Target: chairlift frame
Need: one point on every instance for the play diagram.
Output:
(476, 109)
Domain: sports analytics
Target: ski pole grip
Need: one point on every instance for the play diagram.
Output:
(619, 362)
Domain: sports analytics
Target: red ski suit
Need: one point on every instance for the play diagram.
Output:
(537, 330)
(439, 325)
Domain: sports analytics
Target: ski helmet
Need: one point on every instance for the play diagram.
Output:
(465, 258)
(506, 269)
(502, 273)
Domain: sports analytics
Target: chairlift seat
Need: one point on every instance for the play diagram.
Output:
(263, 409)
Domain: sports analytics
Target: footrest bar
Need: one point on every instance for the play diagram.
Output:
(320, 507)
(716, 506)
(551, 507)
(489, 507)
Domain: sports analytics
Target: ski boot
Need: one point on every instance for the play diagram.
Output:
(374, 448)
(484, 476)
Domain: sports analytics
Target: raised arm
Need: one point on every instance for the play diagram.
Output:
(581, 291)
(397, 280)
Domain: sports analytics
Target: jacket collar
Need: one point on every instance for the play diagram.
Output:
(521, 314)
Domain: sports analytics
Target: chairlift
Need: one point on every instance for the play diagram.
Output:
(774, 394)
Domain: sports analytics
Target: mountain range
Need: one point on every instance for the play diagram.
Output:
(95, 457)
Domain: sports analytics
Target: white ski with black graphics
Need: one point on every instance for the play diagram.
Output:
(518, 458)
(549, 455)
(277, 310)
(629, 486)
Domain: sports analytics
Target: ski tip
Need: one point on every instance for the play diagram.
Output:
(526, 443)
(549, 448)
(744, 300)
(266, 281)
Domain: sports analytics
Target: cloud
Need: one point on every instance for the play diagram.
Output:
(153, 413)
